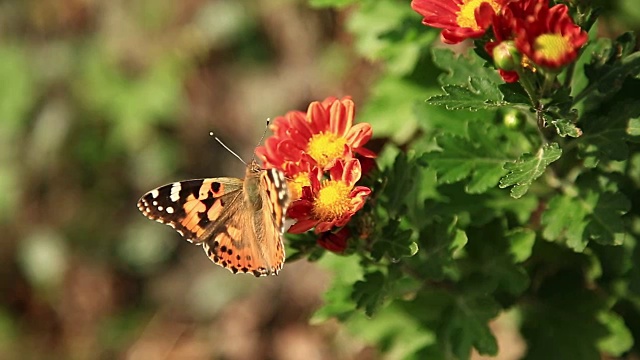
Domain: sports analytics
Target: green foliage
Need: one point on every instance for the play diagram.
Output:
(495, 198)
(467, 84)
(586, 212)
(480, 156)
(528, 168)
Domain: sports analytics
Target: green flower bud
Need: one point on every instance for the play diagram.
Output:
(506, 56)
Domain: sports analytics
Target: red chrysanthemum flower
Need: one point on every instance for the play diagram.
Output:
(329, 202)
(459, 19)
(336, 242)
(547, 36)
(326, 134)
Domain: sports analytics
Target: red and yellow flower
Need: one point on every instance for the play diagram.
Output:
(320, 152)
(458, 19)
(329, 203)
(326, 134)
(545, 37)
(548, 36)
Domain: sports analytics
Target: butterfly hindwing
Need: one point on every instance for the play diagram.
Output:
(192, 206)
(234, 246)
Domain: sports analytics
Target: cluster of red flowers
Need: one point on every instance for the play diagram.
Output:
(317, 151)
(528, 31)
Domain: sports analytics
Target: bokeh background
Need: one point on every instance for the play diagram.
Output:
(103, 100)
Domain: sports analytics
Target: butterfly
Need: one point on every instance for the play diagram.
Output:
(238, 222)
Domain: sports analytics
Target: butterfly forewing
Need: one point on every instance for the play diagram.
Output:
(192, 207)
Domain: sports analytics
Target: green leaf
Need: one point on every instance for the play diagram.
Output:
(592, 213)
(515, 94)
(611, 64)
(467, 83)
(400, 180)
(466, 98)
(633, 128)
(559, 112)
(481, 157)
(619, 340)
(607, 131)
(467, 326)
(528, 168)
(566, 127)
(440, 243)
(394, 242)
(493, 269)
(562, 304)
(459, 68)
(521, 242)
(369, 293)
(565, 219)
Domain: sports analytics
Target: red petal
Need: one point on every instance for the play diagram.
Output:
(359, 135)
(509, 76)
(342, 116)
(300, 209)
(334, 242)
(317, 117)
(352, 172)
(302, 226)
(366, 152)
(484, 14)
(324, 226)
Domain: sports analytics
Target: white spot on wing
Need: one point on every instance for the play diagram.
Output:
(155, 203)
(160, 208)
(175, 192)
(154, 193)
(169, 209)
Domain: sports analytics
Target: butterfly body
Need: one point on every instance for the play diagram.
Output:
(239, 223)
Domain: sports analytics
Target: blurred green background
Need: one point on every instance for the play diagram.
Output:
(103, 100)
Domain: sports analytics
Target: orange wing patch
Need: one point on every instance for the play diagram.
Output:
(239, 256)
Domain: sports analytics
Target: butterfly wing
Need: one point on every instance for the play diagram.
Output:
(192, 207)
(275, 200)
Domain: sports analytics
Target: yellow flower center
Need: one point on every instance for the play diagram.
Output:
(325, 147)
(552, 46)
(297, 183)
(332, 200)
(467, 14)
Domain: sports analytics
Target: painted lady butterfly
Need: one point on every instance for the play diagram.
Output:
(239, 223)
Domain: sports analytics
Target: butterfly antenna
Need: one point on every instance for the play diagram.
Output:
(262, 137)
(226, 147)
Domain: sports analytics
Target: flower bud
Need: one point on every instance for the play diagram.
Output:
(513, 119)
(506, 56)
